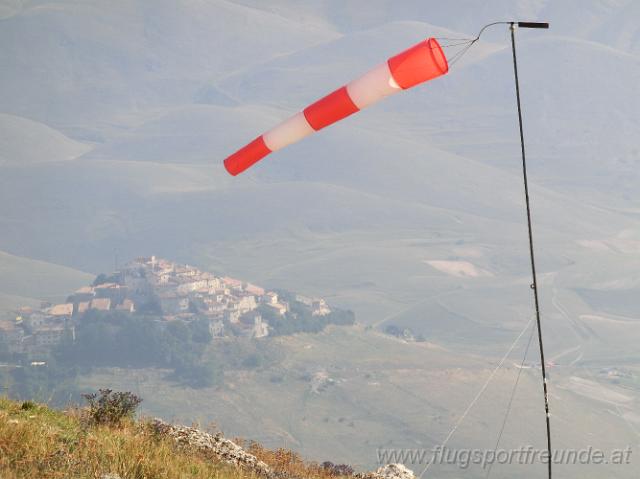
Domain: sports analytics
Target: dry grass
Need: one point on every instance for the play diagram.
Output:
(37, 442)
(40, 443)
(288, 462)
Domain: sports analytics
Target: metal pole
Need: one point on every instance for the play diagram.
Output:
(534, 285)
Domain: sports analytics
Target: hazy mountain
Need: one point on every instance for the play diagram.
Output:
(23, 141)
(24, 281)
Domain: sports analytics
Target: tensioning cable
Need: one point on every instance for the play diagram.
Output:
(477, 396)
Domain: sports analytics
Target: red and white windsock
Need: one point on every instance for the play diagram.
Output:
(418, 64)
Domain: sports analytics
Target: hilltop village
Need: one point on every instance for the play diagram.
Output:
(155, 289)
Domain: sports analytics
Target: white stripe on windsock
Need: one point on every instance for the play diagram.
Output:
(289, 131)
(373, 86)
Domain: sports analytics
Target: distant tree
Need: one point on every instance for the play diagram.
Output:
(103, 278)
(393, 330)
(150, 306)
(342, 317)
(268, 314)
(100, 279)
(194, 307)
(276, 378)
(253, 361)
(179, 330)
(200, 332)
(299, 319)
(47, 383)
(199, 374)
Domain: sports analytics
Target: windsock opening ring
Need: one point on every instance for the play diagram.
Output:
(418, 64)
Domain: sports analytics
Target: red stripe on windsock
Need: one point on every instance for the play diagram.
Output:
(246, 156)
(420, 63)
(333, 107)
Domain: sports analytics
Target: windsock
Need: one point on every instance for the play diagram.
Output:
(418, 64)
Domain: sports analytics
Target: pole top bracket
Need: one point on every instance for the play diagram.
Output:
(531, 24)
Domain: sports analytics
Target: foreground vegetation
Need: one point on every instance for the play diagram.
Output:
(36, 441)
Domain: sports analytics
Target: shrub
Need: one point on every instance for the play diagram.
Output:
(286, 463)
(108, 407)
(199, 374)
(337, 469)
(27, 405)
(253, 361)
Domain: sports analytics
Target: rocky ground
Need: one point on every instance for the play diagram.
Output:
(231, 453)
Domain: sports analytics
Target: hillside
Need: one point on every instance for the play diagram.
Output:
(334, 396)
(23, 141)
(27, 282)
(36, 441)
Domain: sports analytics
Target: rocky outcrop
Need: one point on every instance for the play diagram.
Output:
(390, 471)
(229, 452)
(224, 449)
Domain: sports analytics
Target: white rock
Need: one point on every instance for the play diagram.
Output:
(228, 451)
(395, 471)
